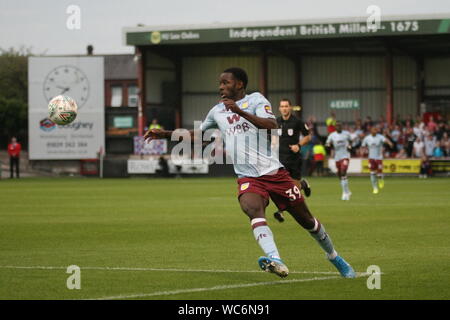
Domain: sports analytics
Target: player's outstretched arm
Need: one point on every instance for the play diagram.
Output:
(161, 134)
(260, 123)
(157, 134)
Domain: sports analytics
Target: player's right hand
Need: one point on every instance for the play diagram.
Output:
(295, 148)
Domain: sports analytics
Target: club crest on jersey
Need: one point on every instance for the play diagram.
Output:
(245, 186)
(268, 109)
(244, 105)
(290, 132)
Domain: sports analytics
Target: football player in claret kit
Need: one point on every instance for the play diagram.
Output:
(292, 135)
(374, 142)
(247, 119)
(341, 143)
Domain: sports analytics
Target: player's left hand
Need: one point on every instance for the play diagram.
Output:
(294, 148)
(231, 105)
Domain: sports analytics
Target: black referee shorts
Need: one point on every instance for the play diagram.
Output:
(294, 167)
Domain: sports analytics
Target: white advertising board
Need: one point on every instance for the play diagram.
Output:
(81, 78)
(149, 166)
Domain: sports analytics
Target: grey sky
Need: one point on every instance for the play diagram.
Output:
(42, 24)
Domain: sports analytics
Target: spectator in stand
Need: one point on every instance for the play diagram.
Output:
(396, 135)
(419, 121)
(358, 127)
(431, 125)
(430, 144)
(418, 131)
(418, 148)
(361, 151)
(382, 123)
(445, 144)
(319, 158)
(368, 123)
(390, 149)
(408, 125)
(402, 154)
(438, 152)
(331, 123)
(410, 138)
(441, 129)
(396, 119)
(155, 125)
(409, 119)
(311, 123)
(356, 141)
(14, 149)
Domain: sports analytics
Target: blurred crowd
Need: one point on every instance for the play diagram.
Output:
(423, 137)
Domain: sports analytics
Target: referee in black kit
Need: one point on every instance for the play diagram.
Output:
(289, 130)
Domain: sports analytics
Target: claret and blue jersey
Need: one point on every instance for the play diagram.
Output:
(340, 142)
(248, 147)
(375, 145)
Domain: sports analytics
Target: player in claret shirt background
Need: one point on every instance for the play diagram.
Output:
(341, 143)
(243, 121)
(374, 142)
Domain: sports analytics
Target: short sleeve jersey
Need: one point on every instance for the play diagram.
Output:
(247, 146)
(289, 132)
(340, 142)
(375, 145)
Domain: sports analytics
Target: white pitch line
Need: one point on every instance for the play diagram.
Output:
(222, 287)
(159, 269)
(215, 288)
(179, 291)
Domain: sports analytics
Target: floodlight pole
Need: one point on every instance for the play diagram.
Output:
(141, 90)
(389, 75)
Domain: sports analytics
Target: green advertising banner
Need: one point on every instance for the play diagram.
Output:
(286, 32)
(344, 104)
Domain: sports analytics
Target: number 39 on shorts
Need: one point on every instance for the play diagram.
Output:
(293, 193)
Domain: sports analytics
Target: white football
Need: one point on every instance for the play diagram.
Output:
(62, 110)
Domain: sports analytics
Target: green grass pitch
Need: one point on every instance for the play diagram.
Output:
(188, 239)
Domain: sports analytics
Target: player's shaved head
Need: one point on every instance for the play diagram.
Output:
(338, 126)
